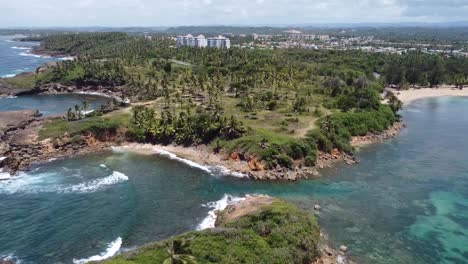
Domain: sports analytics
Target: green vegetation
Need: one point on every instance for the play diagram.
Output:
(278, 233)
(281, 106)
(183, 128)
(98, 126)
(22, 81)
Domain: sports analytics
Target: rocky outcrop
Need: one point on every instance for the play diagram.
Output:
(20, 145)
(373, 138)
(247, 206)
(115, 92)
(8, 90)
(253, 204)
(14, 120)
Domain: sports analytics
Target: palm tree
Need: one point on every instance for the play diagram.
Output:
(175, 258)
(85, 106)
(78, 112)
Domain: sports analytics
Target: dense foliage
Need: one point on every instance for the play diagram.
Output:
(278, 233)
(280, 105)
(183, 128)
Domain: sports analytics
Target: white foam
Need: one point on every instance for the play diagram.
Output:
(10, 257)
(210, 220)
(115, 178)
(102, 165)
(227, 172)
(212, 170)
(35, 55)
(111, 250)
(173, 156)
(21, 48)
(45, 183)
(4, 175)
(8, 75)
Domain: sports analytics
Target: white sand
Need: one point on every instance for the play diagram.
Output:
(411, 95)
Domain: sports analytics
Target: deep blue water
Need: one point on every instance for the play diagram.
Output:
(15, 57)
(406, 202)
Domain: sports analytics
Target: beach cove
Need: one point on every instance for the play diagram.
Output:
(386, 209)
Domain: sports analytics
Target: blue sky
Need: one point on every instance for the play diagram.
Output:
(40, 13)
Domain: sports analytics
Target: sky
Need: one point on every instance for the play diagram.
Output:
(69, 13)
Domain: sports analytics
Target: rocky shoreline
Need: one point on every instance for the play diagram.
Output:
(251, 167)
(254, 203)
(369, 139)
(115, 93)
(20, 146)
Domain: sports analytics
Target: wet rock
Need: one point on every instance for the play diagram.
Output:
(343, 248)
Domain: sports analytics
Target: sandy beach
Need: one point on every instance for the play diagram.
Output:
(408, 96)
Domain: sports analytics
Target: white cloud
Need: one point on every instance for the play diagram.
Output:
(237, 12)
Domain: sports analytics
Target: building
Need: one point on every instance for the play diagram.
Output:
(219, 42)
(201, 42)
(191, 41)
(298, 35)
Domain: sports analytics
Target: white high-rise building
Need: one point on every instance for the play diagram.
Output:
(219, 42)
(200, 41)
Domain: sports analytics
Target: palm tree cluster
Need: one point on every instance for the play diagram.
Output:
(185, 127)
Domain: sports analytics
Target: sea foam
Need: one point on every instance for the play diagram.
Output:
(8, 75)
(111, 250)
(35, 55)
(190, 163)
(212, 170)
(46, 183)
(10, 258)
(4, 175)
(21, 48)
(92, 186)
(210, 220)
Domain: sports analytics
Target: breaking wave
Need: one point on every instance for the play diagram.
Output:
(210, 220)
(40, 184)
(10, 258)
(115, 178)
(35, 55)
(111, 250)
(190, 163)
(8, 75)
(21, 48)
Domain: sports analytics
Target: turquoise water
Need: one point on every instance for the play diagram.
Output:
(51, 104)
(15, 57)
(406, 202)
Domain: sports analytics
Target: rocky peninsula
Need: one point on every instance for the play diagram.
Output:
(252, 217)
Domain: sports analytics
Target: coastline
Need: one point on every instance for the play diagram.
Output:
(411, 95)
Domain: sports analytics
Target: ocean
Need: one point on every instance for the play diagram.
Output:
(406, 202)
(16, 57)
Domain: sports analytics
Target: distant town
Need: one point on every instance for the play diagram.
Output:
(297, 39)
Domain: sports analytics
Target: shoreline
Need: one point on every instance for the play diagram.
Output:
(409, 96)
